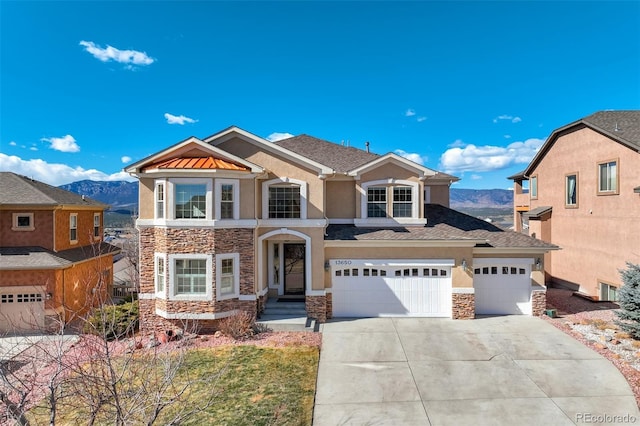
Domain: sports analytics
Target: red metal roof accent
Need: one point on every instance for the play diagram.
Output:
(196, 163)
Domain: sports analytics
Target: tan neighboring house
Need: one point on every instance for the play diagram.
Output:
(584, 196)
(53, 263)
(232, 219)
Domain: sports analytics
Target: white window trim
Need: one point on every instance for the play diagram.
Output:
(533, 194)
(415, 218)
(236, 276)
(281, 180)
(15, 226)
(97, 215)
(76, 228)
(236, 197)
(170, 204)
(172, 285)
(164, 200)
(163, 293)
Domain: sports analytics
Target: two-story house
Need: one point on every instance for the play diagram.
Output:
(229, 220)
(584, 196)
(54, 265)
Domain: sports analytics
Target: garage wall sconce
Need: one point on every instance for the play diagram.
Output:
(48, 296)
(326, 265)
(464, 264)
(539, 264)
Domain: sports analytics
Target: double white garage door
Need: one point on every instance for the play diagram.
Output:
(374, 288)
(378, 288)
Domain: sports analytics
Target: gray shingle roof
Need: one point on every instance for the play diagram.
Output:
(622, 125)
(40, 258)
(17, 189)
(339, 157)
(442, 224)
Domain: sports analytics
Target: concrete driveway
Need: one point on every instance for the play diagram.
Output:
(511, 370)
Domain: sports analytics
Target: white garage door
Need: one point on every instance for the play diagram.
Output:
(21, 309)
(379, 288)
(502, 286)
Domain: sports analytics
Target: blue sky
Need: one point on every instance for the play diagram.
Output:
(468, 88)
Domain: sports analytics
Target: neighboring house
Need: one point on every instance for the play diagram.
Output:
(53, 263)
(232, 219)
(584, 196)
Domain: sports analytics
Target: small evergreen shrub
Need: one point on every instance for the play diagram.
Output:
(114, 321)
(629, 300)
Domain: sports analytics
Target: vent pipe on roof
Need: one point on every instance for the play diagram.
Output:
(366, 144)
(616, 129)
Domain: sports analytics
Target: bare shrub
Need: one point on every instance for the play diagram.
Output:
(239, 325)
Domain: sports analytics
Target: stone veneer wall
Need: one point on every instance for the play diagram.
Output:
(317, 308)
(538, 302)
(329, 305)
(463, 306)
(194, 241)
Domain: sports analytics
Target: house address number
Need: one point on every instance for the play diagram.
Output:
(343, 262)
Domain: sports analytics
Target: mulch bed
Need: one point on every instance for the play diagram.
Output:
(577, 310)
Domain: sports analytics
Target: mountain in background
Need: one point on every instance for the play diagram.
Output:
(122, 195)
(481, 198)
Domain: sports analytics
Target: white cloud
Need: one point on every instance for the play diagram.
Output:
(55, 174)
(33, 148)
(457, 143)
(125, 159)
(277, 136)
(110, 53)
(178, 119)
(488, 158)
(507, 118)
(12, 143)
(421, 119)
(410, 112)
(476, 177)
(66, 143)
(507, 136)
(416, 158)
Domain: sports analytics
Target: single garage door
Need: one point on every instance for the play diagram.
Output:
(378, 288)
(502, 286)
(21, 309)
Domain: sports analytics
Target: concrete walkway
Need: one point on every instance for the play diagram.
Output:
(511, 370)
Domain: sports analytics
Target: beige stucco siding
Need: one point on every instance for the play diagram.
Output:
(440, 195)
(389, 170)
(280, 167)
(460, 278)
(341, 199)
(146, 201)
(603, 232)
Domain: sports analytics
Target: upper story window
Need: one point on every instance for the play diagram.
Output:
(284, 202)
(571, 190)
(399, 200)
(160, 195)
(284, 198)
(96, 225)
(377, 201)
(533, 187)
(190, 201)
(227, 194)
(402, 204)
(608, 177)
(73, 227)
(22, 222)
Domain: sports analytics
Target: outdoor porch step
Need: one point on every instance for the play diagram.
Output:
(273, 307)
(287, 322)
